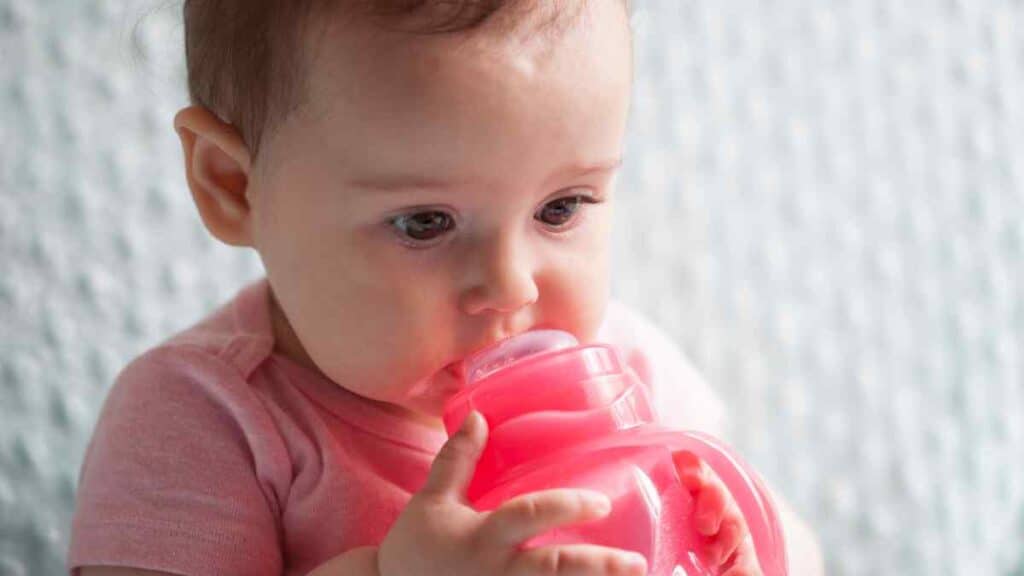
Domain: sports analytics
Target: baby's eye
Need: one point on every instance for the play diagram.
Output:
(558, 212)
(424, 226)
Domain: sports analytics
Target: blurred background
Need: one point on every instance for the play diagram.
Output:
(823, 205)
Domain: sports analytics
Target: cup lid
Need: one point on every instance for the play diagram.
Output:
(490, 360)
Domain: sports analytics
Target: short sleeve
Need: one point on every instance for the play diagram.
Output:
(175, 476)
(682, 398)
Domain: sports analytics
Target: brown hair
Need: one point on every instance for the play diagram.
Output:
(243, 57)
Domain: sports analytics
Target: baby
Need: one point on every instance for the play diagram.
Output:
(420, 179)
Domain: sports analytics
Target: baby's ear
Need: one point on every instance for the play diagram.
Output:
(217, 164)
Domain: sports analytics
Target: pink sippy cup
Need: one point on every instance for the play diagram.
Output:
(564, 415)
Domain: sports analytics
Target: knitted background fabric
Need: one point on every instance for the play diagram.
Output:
(822, 202)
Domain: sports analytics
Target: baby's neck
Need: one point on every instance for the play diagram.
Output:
(286, 342)
(426, 420)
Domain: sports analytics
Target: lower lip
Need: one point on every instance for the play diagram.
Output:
(453, 369)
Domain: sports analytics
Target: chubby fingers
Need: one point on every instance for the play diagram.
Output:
(743, 561)
(726, 542)
(711, 508)
(455, 463)
(529, 515)
(578, 560)
(715, 515)
(710, 497)
(691, 470)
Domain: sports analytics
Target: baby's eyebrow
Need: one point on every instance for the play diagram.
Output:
(405, 182)
(399, 183)
(587, 168)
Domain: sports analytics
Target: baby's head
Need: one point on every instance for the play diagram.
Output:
(420, 178)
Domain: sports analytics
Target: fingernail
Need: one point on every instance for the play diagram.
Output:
(636, 562)
(598, 501)
(471, 422)
(706, 523)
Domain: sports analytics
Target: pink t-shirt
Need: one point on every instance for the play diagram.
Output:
(214, 455)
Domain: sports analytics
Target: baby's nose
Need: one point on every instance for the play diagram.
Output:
(502, 280)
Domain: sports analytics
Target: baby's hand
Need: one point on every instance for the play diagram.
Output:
(439, 533)
(724, 534)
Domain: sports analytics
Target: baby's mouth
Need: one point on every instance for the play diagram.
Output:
(502, 353)
(457, 369)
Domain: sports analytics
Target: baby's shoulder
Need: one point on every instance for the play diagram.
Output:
(182, 451)
(225, 347)
(208, 364)
(175, 385)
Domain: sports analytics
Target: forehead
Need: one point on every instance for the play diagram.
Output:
(498, 89)
(578, 38)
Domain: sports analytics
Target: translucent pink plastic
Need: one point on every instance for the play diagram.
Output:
(563, 415)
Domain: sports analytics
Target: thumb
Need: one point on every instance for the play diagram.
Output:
(454, 465)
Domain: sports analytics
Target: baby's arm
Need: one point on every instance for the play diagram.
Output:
(357, 562)
(172, 474)
(439, 533)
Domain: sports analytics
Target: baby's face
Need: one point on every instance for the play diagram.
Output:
(431, 197)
